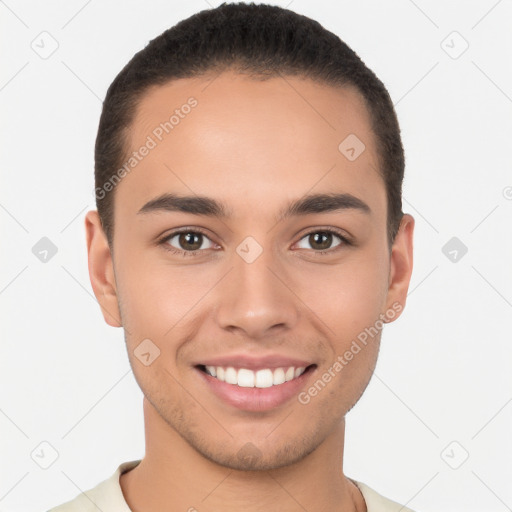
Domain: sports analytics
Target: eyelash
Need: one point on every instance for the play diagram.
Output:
(163, 241)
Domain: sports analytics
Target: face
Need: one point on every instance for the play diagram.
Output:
(236, 278)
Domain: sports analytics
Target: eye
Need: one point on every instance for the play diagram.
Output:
(186, 242)
(192, 242)
(322, 240)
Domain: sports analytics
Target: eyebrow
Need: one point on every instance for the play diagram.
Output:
(202, 205)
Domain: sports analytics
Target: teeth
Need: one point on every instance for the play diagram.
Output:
(245, 378)
(260, 379)
(264, 379)
(230, 375)
(278, 376)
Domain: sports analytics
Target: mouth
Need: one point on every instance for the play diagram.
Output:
(262, 378)
(259, 390)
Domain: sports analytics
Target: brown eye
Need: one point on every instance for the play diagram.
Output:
(320, 240)
(188, 241)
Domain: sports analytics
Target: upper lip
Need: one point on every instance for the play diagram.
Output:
(255, 363)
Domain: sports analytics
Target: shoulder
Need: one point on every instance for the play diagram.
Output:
(375, 502)
(106, 496)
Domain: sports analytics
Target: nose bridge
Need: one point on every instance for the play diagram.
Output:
(255, 297)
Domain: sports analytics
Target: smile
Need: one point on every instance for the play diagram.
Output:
(246, 378)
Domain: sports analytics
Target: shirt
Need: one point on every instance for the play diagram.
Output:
(107, 496)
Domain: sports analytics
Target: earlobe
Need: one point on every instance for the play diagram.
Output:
(101, 269)
(400, 271)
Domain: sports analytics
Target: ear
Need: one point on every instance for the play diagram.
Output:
(101, 269)
(400, 268)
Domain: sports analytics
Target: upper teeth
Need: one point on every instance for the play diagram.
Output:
(260, 379)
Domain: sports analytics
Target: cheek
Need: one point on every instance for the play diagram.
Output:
(348, 297)
(140, 290)
(153, 308)
(156, 297)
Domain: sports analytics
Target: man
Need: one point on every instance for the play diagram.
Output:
(250, 240)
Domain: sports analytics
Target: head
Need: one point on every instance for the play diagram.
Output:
(248, 181)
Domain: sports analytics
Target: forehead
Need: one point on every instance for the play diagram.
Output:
(245, 139)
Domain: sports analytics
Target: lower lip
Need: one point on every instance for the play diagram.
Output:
(256, 399)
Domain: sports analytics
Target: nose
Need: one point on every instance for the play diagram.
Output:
(256, 298)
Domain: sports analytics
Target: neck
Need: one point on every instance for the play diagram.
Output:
(173, 476)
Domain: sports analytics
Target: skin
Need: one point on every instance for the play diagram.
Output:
(254, 146)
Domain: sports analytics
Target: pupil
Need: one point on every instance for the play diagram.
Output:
(323, 245)
(188, 239)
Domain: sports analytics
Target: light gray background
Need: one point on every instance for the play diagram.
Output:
(444, 373)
